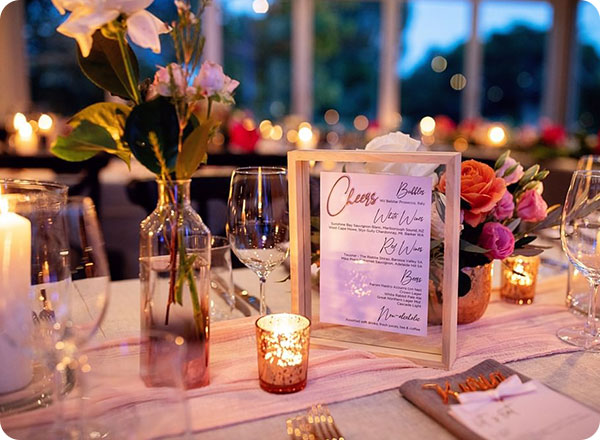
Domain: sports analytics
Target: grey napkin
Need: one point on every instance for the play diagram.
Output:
(431, 403)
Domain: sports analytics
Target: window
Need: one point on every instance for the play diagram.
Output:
(431, 64)
(257, 53)
(587, 71)
(57, 84)
(346, 59)
(514, 38)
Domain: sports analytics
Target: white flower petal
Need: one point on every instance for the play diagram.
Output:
(82, 23)
(143, 28)
(127, 7)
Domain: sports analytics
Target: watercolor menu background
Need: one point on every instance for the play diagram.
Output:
(375, 238)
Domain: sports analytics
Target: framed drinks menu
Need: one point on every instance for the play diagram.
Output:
(369, 236)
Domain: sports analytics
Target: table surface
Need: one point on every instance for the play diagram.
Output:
(383, 415)
(378, 416)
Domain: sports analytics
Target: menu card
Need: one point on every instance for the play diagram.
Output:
(375, 234)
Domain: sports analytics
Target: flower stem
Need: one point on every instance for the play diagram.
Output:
(135, 93)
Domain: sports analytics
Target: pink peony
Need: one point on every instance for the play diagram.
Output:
(531, 207)
(515, 175)
(498, 239)
(505, 207)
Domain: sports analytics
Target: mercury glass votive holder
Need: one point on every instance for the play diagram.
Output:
(519, 276)
(282, 341)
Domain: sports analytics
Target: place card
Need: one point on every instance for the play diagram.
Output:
(541, 413)
(374, 251)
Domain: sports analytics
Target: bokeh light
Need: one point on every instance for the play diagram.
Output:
(248, 124)
(497, 135)
(332, 117)
(427, 126)
(458, 81)
(45, 122)
(276, 132)
(19, 120)
(439, 64)
(305, 133)
(292, 136)
(332, 138)
(361, 123)
(260, 6)
(461, 144)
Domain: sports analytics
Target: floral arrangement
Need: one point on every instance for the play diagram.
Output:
(502, 207)
(165, 122)
(549, 140)
(501, 210)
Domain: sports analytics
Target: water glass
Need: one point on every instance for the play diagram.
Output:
(222, 297)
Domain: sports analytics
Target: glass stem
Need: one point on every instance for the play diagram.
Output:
(263, 302)
(591, 327)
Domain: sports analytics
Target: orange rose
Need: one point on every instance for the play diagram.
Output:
(480, 188)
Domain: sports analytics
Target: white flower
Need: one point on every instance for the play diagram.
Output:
(398, 142)
(87, 16)
(212, 81)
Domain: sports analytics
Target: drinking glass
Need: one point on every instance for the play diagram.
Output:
(578, 287)
(222, 297)
(580, 238)
(257, 220)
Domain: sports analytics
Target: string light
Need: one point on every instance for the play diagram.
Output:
(19, 120)
(45, 122)
(497, 135)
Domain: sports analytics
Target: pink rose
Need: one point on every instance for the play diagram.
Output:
(210, 79)
(531, 207)
(498, 239)
(505, 207)
(162, 81)
(515, 175)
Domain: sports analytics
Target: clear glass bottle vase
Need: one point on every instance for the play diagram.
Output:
(175, 282)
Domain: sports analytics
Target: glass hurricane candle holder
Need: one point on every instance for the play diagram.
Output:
(282, 340)
(519, 276)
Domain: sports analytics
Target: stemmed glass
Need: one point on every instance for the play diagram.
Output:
(257, 220)
(580, 237)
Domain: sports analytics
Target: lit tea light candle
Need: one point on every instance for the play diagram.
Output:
(519, 275)
(25, 141)
(282, 341)
(16, 369)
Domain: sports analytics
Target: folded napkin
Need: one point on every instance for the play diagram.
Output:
(431, 403)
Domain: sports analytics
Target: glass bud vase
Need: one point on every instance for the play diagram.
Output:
(175, 282)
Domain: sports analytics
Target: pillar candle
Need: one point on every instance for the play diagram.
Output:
(16, 367)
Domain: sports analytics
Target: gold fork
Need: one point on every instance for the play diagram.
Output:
(299, 429)
(323, 425)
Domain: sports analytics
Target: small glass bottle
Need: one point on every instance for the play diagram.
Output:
(175, 279)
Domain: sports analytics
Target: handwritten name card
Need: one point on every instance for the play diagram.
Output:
(375, 233)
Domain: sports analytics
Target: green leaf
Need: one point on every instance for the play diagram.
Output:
(529, 174)
(193, 150)
(468, 247)
(85, 141)
(109, 115)
(501, 160)
(157, 116)
(104, 66)
(522, 242)
(514, 224)
(528, 251)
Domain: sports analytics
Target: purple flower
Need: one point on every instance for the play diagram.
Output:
(505, 207)
(515, 175)
(532, 207)
(498, 239)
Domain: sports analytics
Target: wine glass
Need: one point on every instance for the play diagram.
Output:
(257, 220)
(580, 238)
